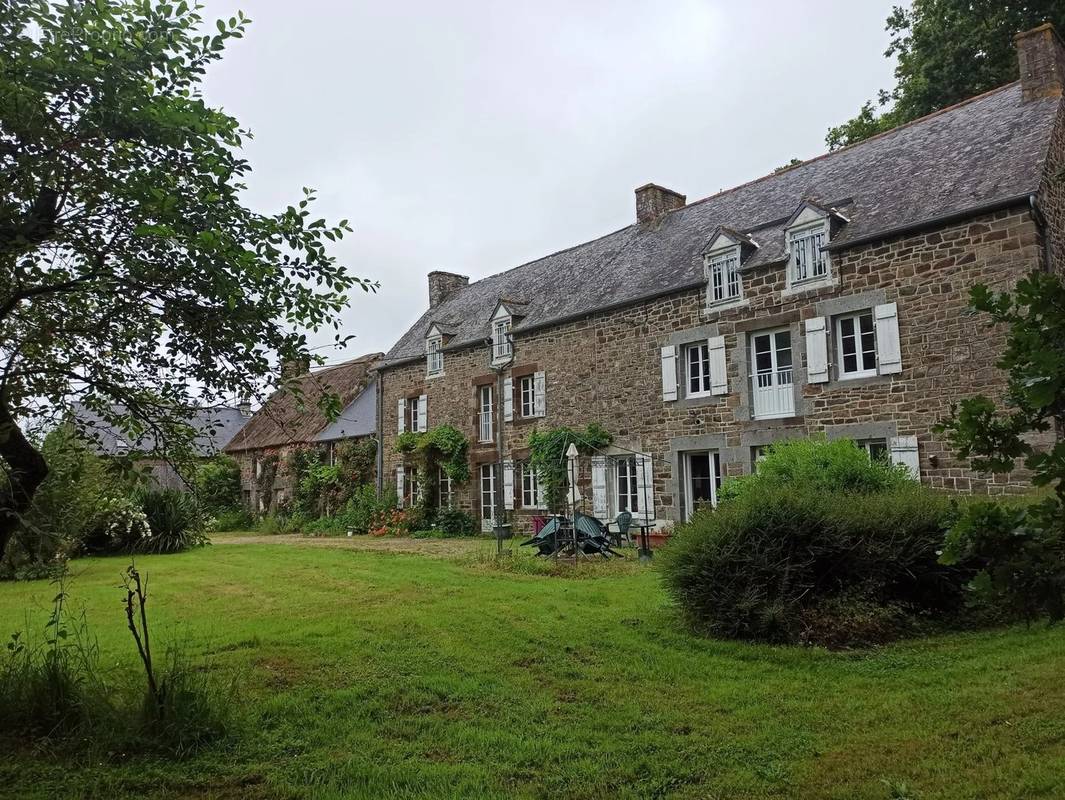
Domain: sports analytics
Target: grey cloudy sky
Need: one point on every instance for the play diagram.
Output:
(475, 136)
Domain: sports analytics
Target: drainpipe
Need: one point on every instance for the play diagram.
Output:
(380, 392)
(500, 512)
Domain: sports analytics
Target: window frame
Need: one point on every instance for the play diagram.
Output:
(728, 262)
(631, 485)
(486, 408)
(859, 353)
(444, 489)
(532, 495)
(502, 347)
(411, 413)
(530, 382)
(705, 379)
(434, 349)
(809, 231)
(880, 443)
(491, 477)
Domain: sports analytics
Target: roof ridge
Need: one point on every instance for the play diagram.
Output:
(912, 123)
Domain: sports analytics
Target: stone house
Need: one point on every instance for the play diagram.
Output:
(831, 297)
(286, 422)
(215, 426)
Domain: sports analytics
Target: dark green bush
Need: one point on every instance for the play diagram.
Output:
(217, 485)
(174, 522)
(455, 522)
(236, 519)
(789, 559)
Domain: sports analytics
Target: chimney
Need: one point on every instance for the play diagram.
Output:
(444, 284)
(653, 202)
(244, 406)
(1041, 54)
(295, 367)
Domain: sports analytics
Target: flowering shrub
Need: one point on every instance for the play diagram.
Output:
(119, 526)
(391, 522)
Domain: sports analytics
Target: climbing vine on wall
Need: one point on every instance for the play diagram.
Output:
(443, 447)
(547, 456)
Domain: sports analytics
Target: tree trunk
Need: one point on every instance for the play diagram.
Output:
(26, 470)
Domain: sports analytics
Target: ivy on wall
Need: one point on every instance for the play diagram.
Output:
(547, 456)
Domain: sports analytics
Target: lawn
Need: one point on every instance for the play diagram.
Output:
(372, 673)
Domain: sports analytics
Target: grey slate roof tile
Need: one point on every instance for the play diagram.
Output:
(986, 149)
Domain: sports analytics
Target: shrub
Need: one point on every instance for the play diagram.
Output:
(455, 522)
(217, 484)
(118, 525)
(789, 561)
(174, 522)
(236, 519)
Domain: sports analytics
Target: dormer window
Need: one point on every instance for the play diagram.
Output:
(501, 345)
(724, 275)
(434, 356)
(809, 261)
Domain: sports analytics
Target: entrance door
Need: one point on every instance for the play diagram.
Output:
(771, 383)
(700, 481)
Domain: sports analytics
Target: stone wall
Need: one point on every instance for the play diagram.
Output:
(606, 367)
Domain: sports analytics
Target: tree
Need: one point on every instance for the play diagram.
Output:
(948, 51)
(1019, 553)
(132, 278)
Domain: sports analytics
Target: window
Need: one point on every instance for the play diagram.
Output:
(771, 383)
(488, 495)
(724, 277)
(412, 413)
(702, 479)
(412, 488)
(808, 260)
(876, 448)
(434, 356)
(527, 396)
(531, 496)
(444, 495)
(501, 344)
(484, 418)
(758, 452)
(698, 360)
(856, 345)
(625, 485)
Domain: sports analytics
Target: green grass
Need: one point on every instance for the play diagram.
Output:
(379, 675)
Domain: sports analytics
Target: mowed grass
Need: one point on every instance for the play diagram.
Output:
(376, 674)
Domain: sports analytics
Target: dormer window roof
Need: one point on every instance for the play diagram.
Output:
(502, 322)
(435, 339)
(807, 234)
(723, 255)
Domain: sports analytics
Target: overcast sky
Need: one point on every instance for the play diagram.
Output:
(476, 136)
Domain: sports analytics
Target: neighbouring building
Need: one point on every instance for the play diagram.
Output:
(294, 419)
(214, 427)
(831, 297)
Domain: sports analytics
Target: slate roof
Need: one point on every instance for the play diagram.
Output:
(359, 418)
(989, 148)
(285, 420)
(216, 426)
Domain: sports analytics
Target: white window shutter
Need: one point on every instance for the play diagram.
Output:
(817, 350)
(669, 372)
(904, 451)
(888, 349)
(423, 413)
(402, 414)
(645, 485)
(718, 365)
(600, 501)
(508, 483)
(539, 394)
(399, 486)
(508, 399)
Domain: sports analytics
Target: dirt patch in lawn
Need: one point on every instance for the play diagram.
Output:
(439, 548)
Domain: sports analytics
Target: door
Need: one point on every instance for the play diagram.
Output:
(700, 481)
(771, 384)
(488, 496)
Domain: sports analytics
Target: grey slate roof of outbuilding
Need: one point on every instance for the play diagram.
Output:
(215, 425)
(359, 418)
(983, 150)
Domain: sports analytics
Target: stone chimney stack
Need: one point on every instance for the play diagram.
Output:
(244, 406)
(444, 284)
(1041, 54)
(653, 202)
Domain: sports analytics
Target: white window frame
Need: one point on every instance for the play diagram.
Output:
(486, 413)
(861, 371)
(411, 414)
(774, 377)
(434, 356)
(803, 262)
(487, 487)
(703, 377)
(502, 348)
(532, 495)
(527, 396)
(881, 444)
(723, 272)
(626, 485)
(443, 489)
(714, 456)
(758, 452)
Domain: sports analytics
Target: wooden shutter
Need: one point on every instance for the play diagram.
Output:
(817, 350)
(402, 414)
(539, 394)
(718, 365)
(508, 483)
(399, 486)
(669, 372)
(423, 413)
(600, 501)
(645, 485)
(508, 399)
(904, 451)
(888, 350)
